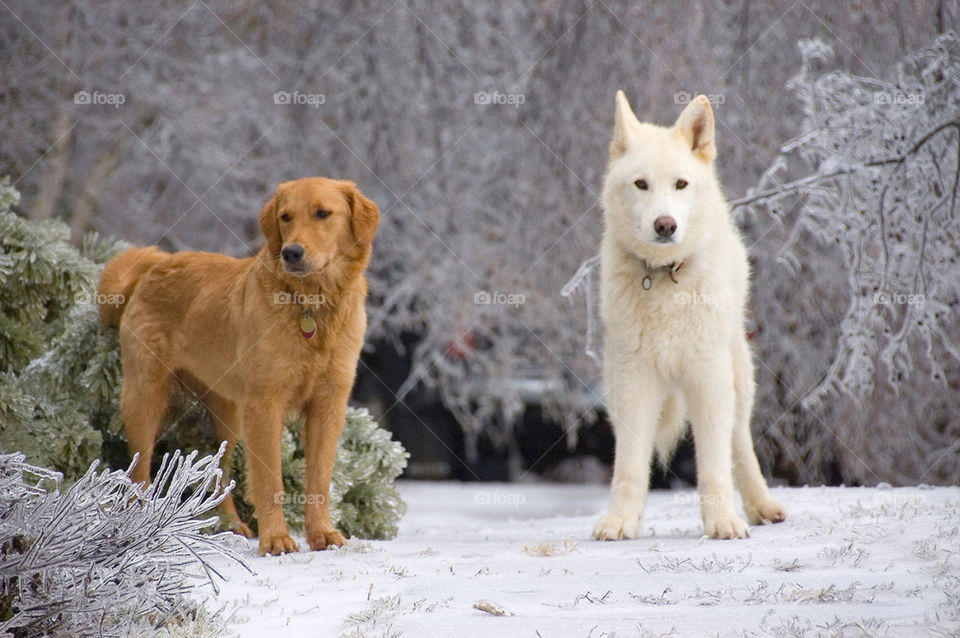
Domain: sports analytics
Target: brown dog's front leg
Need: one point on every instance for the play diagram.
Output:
(324, 424)
(262, 428)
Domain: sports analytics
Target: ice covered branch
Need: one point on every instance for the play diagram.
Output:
(101, 556)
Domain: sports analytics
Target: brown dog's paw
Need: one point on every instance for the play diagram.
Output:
(277, 544)
(241, 528)
(324, 539)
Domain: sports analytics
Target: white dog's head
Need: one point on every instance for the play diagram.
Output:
(659, 179)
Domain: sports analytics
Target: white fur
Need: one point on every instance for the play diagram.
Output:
(676, 351)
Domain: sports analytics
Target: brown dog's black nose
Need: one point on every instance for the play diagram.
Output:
(292, 254)
(665, 226)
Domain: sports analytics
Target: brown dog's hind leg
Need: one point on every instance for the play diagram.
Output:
(144, 398)
(223, 414)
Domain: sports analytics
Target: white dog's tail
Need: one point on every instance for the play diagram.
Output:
(671, 428)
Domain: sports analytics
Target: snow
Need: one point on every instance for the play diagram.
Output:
(848, 561)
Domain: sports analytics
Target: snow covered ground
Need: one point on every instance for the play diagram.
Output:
(847, 562)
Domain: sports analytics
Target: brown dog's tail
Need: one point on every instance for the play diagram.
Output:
(119, 278)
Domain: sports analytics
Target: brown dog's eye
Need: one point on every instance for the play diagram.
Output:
(681, 184)
(641, 184)
(322, 214)
(285, 217)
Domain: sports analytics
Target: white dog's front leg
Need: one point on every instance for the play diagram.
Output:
(633, 403)
(710, 397)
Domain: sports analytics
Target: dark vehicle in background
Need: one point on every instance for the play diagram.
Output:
(539, 449)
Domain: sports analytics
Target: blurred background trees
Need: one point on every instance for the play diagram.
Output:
(481, 131)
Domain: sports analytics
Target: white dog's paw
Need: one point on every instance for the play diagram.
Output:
(766, 510)
(612, 528)
(731, 526)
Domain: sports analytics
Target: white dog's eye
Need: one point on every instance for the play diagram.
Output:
(641, 184)
(681, 184)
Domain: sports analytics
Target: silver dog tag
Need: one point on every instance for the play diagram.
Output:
(646, 283)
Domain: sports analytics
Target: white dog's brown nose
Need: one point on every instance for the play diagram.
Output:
(665, 226)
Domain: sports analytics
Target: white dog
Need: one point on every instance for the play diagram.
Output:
(674, 289)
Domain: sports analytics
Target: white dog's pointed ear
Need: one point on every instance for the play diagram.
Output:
(696, 125)
(624, 123)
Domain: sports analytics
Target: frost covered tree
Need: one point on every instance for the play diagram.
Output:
(884, 193)
(479, 192)
(58, 374)
(871, 230)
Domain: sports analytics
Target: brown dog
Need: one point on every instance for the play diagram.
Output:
(256, 339)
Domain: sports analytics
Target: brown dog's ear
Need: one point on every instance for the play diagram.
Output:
(364, 214)
(271, 227)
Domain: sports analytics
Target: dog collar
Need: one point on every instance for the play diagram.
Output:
(672, 269)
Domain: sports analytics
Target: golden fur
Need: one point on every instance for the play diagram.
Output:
(230, 330)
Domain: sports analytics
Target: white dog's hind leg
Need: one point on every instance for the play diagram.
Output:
(757, 504)
(633, 403)
(710, 397)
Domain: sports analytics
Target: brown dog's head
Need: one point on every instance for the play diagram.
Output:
(311, 222)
